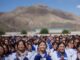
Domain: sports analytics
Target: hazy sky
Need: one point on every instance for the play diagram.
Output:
(65, 5)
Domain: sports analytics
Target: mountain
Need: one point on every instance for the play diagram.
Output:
(38, 16)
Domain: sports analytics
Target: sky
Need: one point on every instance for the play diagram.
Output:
(72, 6)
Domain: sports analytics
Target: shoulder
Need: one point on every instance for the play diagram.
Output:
(70, 51)
(72, 54)
(26, 58)
(12, 56)
(37, 57)
(54, 55)
(32, 56)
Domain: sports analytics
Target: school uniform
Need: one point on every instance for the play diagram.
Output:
(78, 56)
(32, 55)
(71, 53)
(23, 56)
(58, 56)
(35, 47)
(2, 58)
(51, 51)
(49, 45)
(68, 55)
(44, 56)
(6, 57)
(12, 56)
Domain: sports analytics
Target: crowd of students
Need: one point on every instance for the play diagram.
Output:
(63, 47)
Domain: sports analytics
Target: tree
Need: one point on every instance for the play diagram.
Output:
(44, 31)
(2, 32)
(65, 32)
(23, 32)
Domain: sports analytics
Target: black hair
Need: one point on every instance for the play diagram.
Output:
(54, 43)
(22, 42)
(6, 47)
(70, 41)
(60, 44)
(78, 45)
(41, 42)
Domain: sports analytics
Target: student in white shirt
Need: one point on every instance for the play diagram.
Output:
(71, 52)
(31, 53)
(60, 54)
(54, 47)
(6, 52)
(21, 53)
(42, 54)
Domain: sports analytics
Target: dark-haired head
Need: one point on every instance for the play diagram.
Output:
(42, 46)
(57, 40)
(6, 41)
(61, 47)
(29, 46)
(54, 45)
(70, 43)
(6, 49)
(78, 47)
(21, 46)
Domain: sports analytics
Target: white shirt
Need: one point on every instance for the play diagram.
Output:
(13, 56)
(72, 53)
(69, 57)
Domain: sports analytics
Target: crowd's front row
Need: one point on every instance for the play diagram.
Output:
(58, 52)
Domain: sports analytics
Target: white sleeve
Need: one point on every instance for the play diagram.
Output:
(31, 56)
(12, 56)
(54, 56)
(72, 55)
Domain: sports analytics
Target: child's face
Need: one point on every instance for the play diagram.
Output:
(42, 47)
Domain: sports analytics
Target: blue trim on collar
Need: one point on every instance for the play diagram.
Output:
(59, 55)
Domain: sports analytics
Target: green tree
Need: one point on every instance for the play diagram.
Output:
(23, 32)
(2, 32)
(65, 32)
(44, 31)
